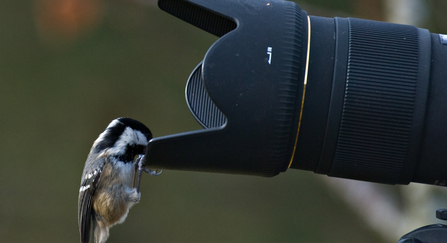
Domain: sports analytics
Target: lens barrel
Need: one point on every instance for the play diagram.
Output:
(370, 128)
(365, 111)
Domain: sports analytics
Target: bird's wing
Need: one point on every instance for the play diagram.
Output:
(89, 182)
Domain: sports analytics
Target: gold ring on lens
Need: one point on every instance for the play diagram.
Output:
(304, 90)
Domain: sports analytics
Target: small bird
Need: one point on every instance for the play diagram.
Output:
(107, 184)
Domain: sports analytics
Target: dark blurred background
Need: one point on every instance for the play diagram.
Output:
(69, 67)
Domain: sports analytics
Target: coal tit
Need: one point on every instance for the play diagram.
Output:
(107, 184)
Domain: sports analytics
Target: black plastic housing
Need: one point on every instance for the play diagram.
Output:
(344, 97)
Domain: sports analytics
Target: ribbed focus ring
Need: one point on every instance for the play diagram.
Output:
(378, 104)
(289, 89)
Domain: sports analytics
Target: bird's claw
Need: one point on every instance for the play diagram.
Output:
(153, 172)
(140, 162)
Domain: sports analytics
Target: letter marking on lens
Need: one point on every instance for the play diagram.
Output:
(269, 53)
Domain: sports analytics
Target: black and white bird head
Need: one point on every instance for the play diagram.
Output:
(123, 139)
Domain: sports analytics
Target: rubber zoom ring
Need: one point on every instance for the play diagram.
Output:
(379, 102)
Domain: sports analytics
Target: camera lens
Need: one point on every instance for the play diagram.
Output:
(343, 97)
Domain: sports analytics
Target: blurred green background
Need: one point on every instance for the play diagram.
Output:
(69, 67)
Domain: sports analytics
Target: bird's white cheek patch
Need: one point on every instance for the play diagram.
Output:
(142, 140)
(128, 137)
